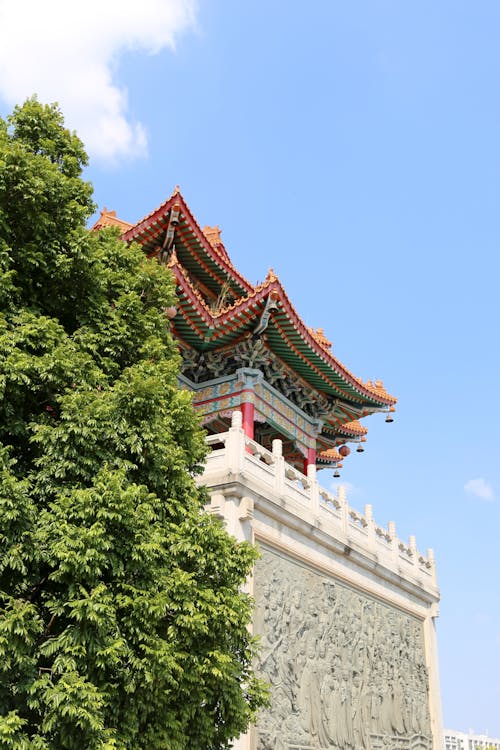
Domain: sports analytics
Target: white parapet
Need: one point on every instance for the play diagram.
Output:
(266, 472)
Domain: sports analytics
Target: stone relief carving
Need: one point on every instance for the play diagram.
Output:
(347, 672)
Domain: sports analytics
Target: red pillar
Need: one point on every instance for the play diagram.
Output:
(248, 414)
(311, 459)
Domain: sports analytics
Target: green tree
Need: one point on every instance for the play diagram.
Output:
(122, 620)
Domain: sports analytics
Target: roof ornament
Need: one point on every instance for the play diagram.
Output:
(271, 304)
(318, 335)
(213, 234)
(168, 243)
(271, 276)
(389, 418)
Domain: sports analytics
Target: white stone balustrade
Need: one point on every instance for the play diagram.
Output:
(235, 455)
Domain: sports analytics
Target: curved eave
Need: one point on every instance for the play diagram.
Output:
(193, 249)
(329, 457)
(207, 330)
(323, 360)
(348, 430)
(292, 342)
(352, 429)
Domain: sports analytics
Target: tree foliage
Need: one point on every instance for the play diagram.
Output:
(122, 620)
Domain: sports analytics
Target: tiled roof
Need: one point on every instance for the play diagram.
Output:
(353, 428)
(331, 456)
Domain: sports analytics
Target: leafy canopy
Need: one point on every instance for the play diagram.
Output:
(122, 623)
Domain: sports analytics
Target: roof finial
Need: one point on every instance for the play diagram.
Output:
(318, 335)
(271, 276)
(176, 190)
(213, 234)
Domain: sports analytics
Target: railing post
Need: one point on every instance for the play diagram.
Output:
(432, 563)
(370, 525)
(235, 445)
(344, 509)
(391, 527)
(412, 543)
(279, 467)
(313, 488)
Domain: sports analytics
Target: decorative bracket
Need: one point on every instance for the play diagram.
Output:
(261, 326)
(168, 242)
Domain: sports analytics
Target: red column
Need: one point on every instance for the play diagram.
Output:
(248, 413)
(311, 459)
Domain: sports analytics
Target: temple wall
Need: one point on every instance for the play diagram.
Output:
(345, 610)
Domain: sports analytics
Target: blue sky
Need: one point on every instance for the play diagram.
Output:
(354, 147)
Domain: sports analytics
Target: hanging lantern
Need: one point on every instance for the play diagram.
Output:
(170, 312)
(344, 451)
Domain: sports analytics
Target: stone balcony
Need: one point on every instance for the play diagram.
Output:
(261, 482)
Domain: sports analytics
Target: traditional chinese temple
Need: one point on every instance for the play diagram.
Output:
(245, 347)
(344, 608)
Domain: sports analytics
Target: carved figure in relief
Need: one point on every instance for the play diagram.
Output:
(296, 614)
(286, 676)
(330, 700)
(345, 734)
(370, 710)
(360, 725)
(398, 692)
(310, 697)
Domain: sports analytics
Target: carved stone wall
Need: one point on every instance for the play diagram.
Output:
(347, 671)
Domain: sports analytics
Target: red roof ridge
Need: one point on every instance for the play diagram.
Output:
(244, 300)
(178, 272)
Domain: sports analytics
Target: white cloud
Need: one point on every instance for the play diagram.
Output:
(66, 51)
(480, 488)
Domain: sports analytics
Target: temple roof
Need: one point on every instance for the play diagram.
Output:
(218, 308)
(110, 219)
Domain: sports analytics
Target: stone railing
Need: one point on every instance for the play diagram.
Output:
(233, 453)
